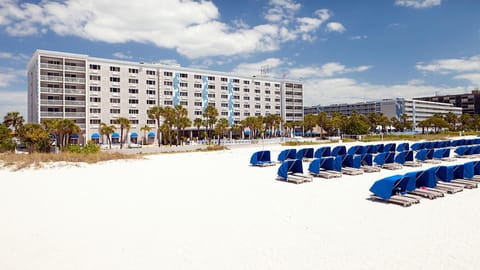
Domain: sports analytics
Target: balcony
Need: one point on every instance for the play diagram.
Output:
(51, 78)
(51, 90)
(51, 114)
(75, 114)
(75, 91)
(75, 68)
(74, 80)
(51, 102)
(75, 103)
(51, 66)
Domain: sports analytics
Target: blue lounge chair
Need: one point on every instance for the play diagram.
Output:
(305, 154)
(291, 170)
(417, 146)
(403, 147)
(339, 150)
(287, 154)
(351, 164)
(426, 190)
(326, 167)
(367, 165)
(445, 176)
(324, 151)
(394, 189)
(410, 161)
(261, 159)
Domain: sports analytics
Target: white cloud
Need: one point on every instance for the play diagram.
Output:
(11, 101)
(192, 28)
(8, 76)
(418, 3)
(474, 78)
(335, 27)
(446, 66)
(121, 55)
(12, 56)
(254, 69)
(326, 70)
(346, 90)
(359, 37)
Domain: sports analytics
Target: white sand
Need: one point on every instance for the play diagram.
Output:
(213, 211)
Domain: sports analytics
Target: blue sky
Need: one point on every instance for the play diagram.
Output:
(343, 51)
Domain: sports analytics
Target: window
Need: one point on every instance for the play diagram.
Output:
(133, 91)
(257, 106)
(267, 99)
(198, 103)
(197, 85)
(246, 106)
(168, 102)
(113, 121)
(183, 84)
(246, 90)
(168, 93)
(236, 113)
(198, 77)
(150, 92)
(184, 94)
(257, 83)
(224, 96)
(267, 92)
(133, 111)
(151, 102)
(198, 94)
(151, 72)
(167, 74)
(151, 121)
(277, 107)
(114, 90)
(95, 77)
(114, 100)
(277, 85)
(236, 105)
(116, 69)
(236, 81)
(133, 101)
(115, 111)
(183, 103)
(223, 87)
(132, 80)
(167, 83)
(257, 91)
(95, 67)
(246, 113)
(223, 79)
(246, 82)
(95, 110)
(224, 113)
(236, 97)
(95, 88)
(95, 99)
(211, 86)
(268, 107)
(267, 84)
(277, 100)
(236, 89)
(114, 79)
(246, 98)
(211, 78)
(257, 98)
(150, 82)
(183, 75)
(211, 95)
(94, 121)
(198, 113)
(133, 70)
(134, 121)
(224, 105)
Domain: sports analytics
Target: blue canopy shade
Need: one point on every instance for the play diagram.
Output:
(304, 153)
(151, 134)
(74, 136)
(386, 187)
(247, 132)
(287, 154)
(352, 161)
(95, 136)
(133, 135)
(115, 135)
(277, 132)
(290, 166)
(339, 150)
(323, 151)
(260, 158)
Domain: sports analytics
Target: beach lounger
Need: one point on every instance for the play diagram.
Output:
(305, 154)
(351, 164)
(367, 165)
(324, 151)
(444, 176)
(261, 159)
(393, 189)
(409, 160)
(287, 154)
(291, 170)
(326, 167)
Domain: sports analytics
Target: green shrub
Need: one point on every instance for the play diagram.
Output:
(89, 148)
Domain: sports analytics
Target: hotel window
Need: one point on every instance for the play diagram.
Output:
(223, 79)
(267, 84)
(133, 111)
(168, 102)
(197, 94)
(267, 99)
(114, 90)
(211, 104)
(133, 101)
(132, 80)
(198, 77)
(236, 81)
(211, 86)
(150, 92)
(277, 100)
(197, 85)
(95, 110)
(277, 107)
(198, 113)
(267, 92)
(223, 87)
(151, 121)
(211, 95)
(246, 106)
(184, 94)
(134, 121)
(95, 88)
(257, 114)
(167, 74)
(246, 114)
(183, 103)
(133, 91)
(183, 84)
(95, 99)
(150, 82)
(224, 105)
(246, 82)
(236, 113)
(236, 89)
(95, 77)
(236, 97)
(168, 93)
(268, 107)
(277, 85)
(224, 96)
(183, 75)
(257, 98)
(115, 111)
(211, 78)
(246, 98)
(257, 83)
(133, 70)
(257, 106)
(94, 121)
(224, 113)
(117, 69)
(114, 79)
(113, 121)
(151, 102)
(151, 72)
(246, 90)
(257, 91)
(167, 83)
(95, 67)
(197, 103)
(236, 105)
(114, 100)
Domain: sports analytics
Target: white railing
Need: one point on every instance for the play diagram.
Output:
(74, 68)
(51, 102)
(74, 80)
(74, 114)
(50, 66)
(75, 102)
(51, 78)
(51, 114)
(75, 91)
(50, 90)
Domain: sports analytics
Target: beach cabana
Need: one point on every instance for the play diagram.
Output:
(417, 146)
(394, 189)
(291, 170)
(445, 177)
(326, 167)
(403, 147)
(323, 151)
(367, 165)
(339, 150)
(261, 159)
(417, 188)
(287, 154)
(305, 154)
(389, 147)
(351, 164)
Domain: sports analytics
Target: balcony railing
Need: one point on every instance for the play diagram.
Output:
(75, 102)
(74, 80)
(51, 78)
(51, 114)
(51, 90)
(75, 114)
(50, 66)
(51, 102)
(75, 91)
(75, 68)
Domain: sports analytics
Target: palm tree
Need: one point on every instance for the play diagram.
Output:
(221, 127)
(180, 113)
(52, 126)
(322, 122)
(34, 136)
(211, 114)
(155, 113)
(107, 130)
(124, 125)
(198, 122)
(169, 116)
(184, 123)
(13, 119)
(309, 122)
(145, 129)
(69, 128)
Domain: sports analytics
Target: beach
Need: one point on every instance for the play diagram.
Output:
(211, 210)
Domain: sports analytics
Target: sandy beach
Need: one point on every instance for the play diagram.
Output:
(211, 210)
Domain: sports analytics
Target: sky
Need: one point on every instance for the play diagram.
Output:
(342, 50)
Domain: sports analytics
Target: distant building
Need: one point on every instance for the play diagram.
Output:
(415, 110)
(469, 102)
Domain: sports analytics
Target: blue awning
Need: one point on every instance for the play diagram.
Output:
(115, 135)
(247, 132)
(133, 135)
(74, 136)
(151, 134)
(95, 136)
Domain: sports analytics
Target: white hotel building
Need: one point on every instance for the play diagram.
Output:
(92, 90)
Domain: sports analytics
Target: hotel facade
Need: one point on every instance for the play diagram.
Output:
(91, 90)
